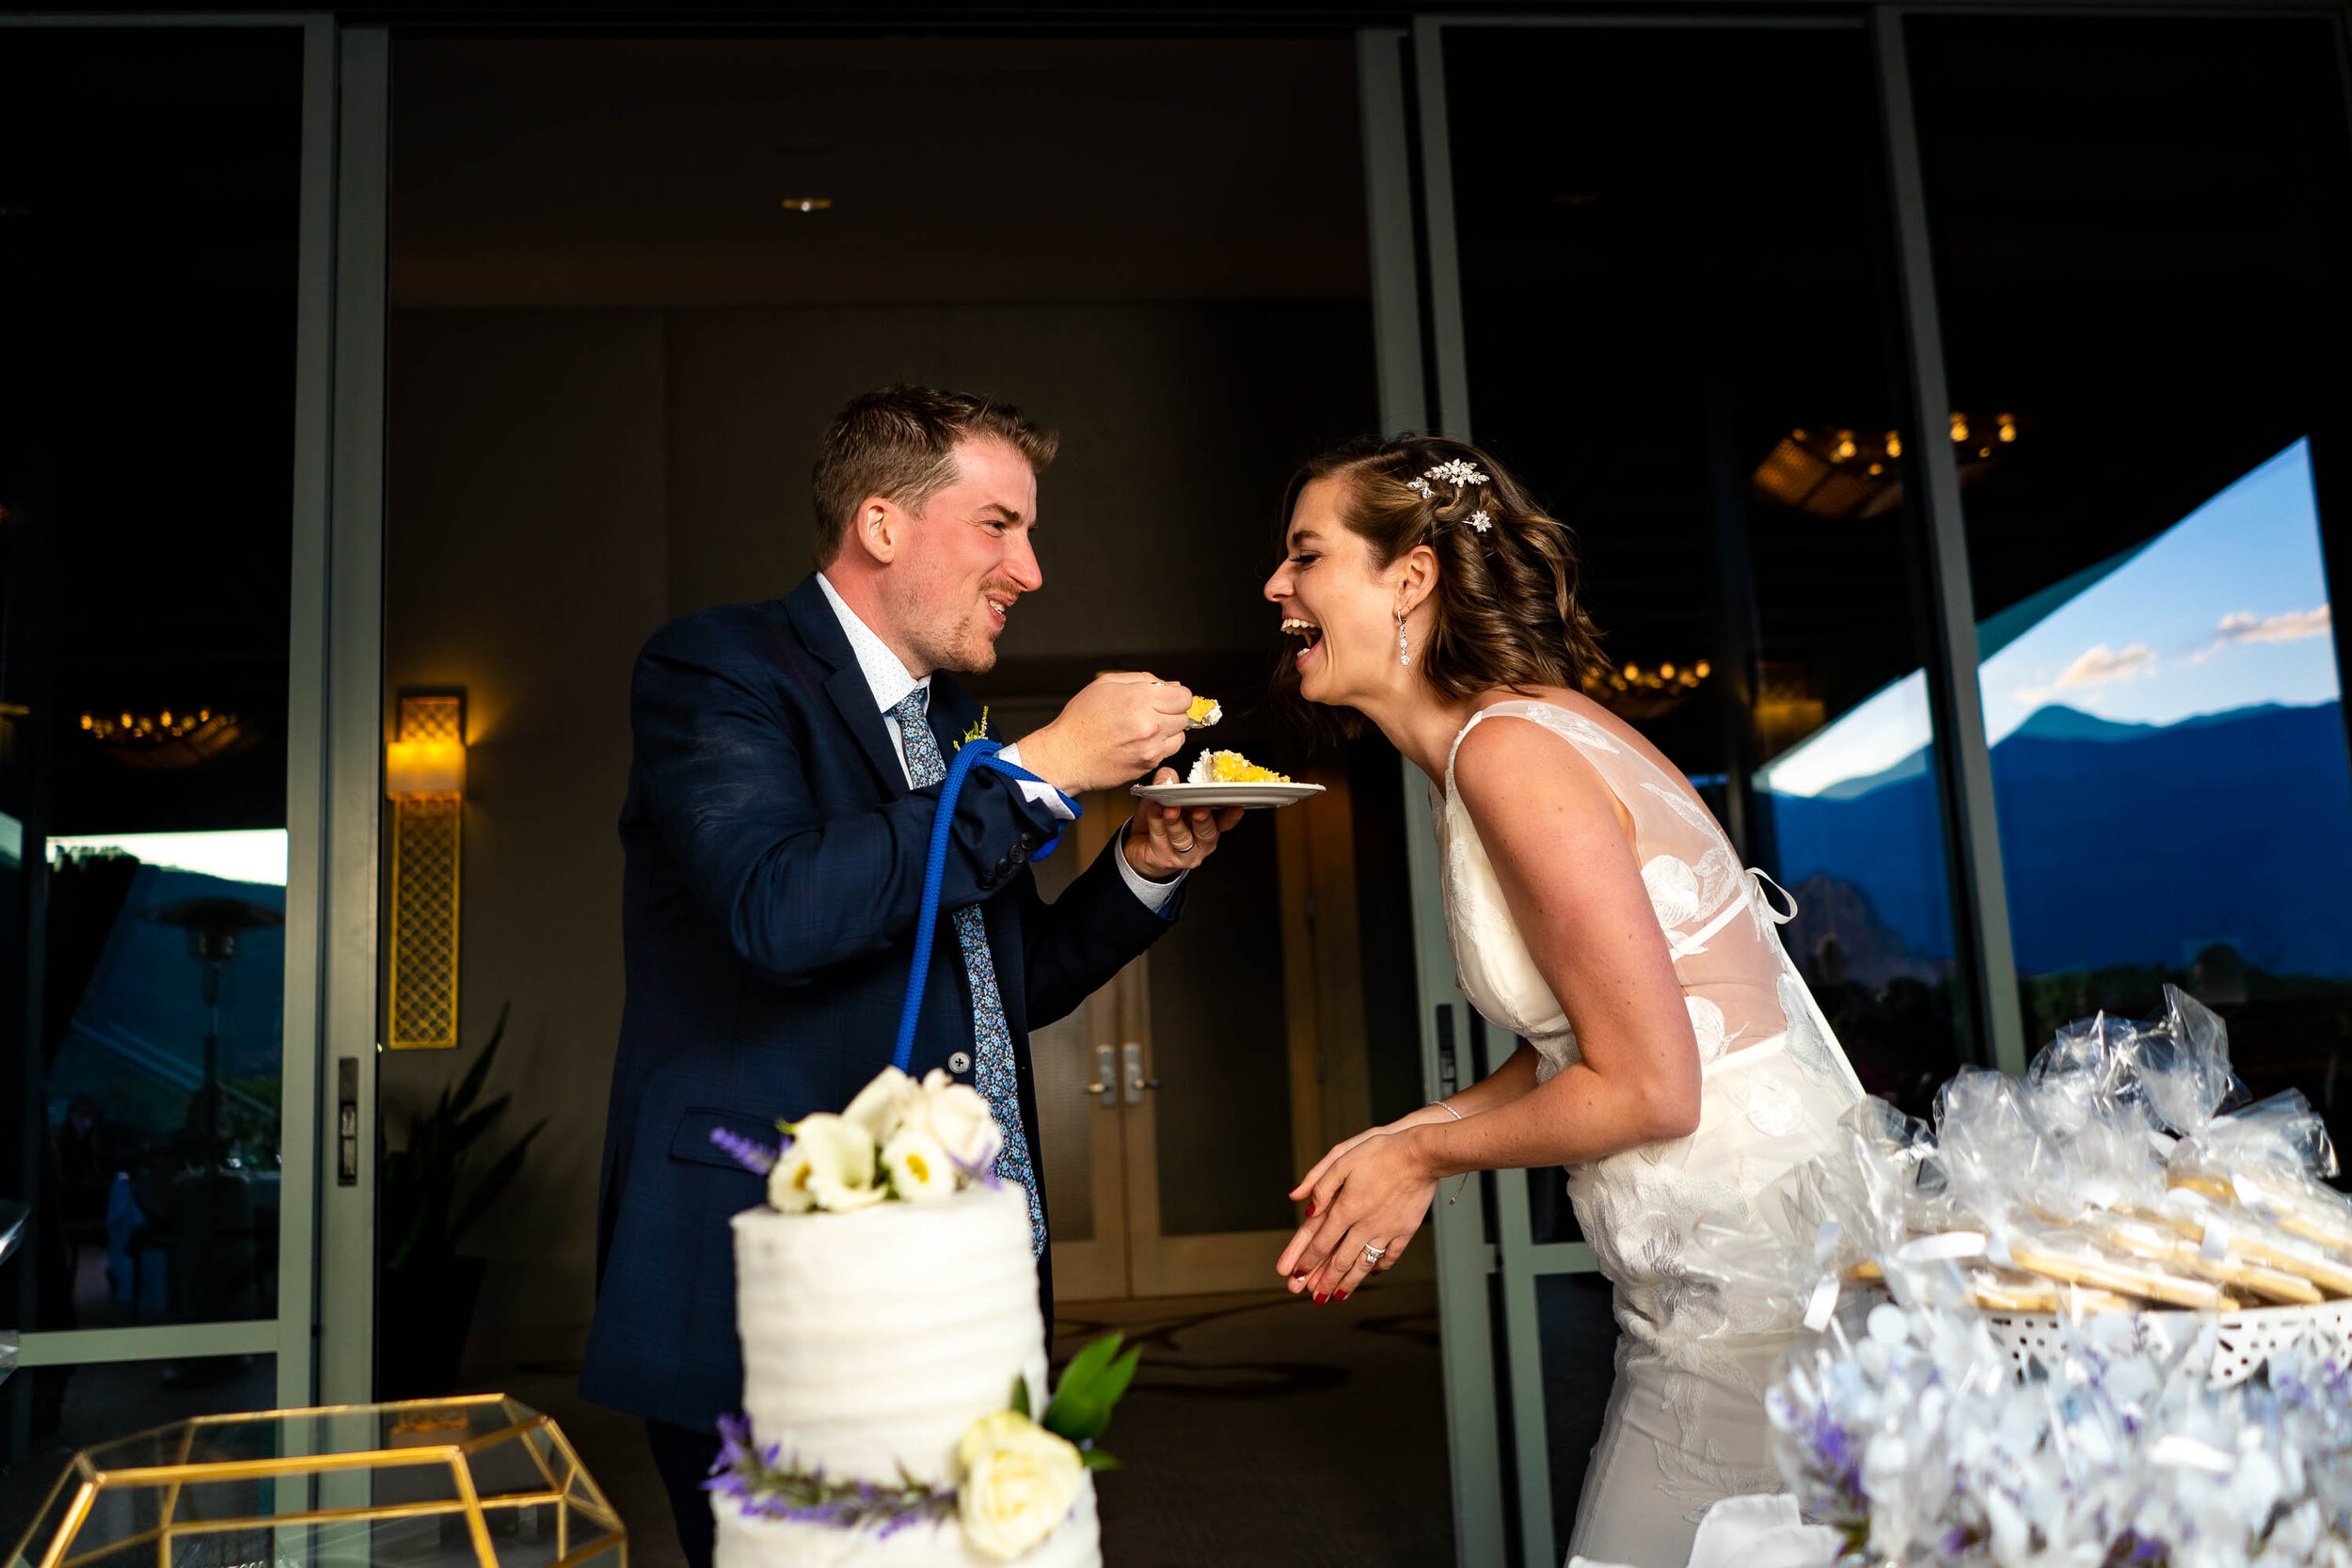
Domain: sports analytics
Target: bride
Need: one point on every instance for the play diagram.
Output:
(1670, 1056)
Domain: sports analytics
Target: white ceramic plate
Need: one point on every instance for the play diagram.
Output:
(1226, 794)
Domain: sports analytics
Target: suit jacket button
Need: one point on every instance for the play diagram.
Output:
(1018, 853)
(1031, 839)
(986, 881)
(960, 1063)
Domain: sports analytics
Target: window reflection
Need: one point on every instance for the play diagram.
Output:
(163, 1085)
(2169, 763)
(2179, 682)
(2143, 228)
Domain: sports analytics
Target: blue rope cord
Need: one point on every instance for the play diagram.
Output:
(972, 753)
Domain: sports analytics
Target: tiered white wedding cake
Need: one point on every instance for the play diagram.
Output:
(887, 1303)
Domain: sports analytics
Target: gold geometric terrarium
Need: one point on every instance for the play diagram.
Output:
(473, 1481)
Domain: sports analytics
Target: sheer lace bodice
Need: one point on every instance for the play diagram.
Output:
(1720, 926)
(1773, 1079)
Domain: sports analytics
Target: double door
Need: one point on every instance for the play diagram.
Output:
(1181, 1101)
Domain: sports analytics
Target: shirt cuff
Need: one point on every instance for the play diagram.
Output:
(1151, 895)
(1038, 789)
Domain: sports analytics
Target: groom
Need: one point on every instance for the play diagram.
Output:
(779, 806)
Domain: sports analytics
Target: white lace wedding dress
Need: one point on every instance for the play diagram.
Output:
(1686, 1422)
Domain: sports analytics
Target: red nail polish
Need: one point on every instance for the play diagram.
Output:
(1310, 1208)
(1321, 1297)
(1342, 1297)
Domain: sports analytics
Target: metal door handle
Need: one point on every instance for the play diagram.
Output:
(1106, 1078)
(1136, 1081)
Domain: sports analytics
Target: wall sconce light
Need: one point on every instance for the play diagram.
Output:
(424, 776)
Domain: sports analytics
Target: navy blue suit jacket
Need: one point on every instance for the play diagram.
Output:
(775, 867)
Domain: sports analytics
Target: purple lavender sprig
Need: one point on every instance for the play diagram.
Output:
(754, 1157)
(763, 1485)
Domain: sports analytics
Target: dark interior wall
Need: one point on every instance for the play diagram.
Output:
(525, 562)
(1179, 423)
(562, 482)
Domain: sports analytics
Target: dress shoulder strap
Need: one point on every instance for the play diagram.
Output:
(1572, 727)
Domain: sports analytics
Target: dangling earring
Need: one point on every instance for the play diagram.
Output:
(1403, 655)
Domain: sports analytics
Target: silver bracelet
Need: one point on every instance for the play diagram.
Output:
(1457, 1116)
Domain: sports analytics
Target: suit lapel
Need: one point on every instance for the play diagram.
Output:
(821, 630)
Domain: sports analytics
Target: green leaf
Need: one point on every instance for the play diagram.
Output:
(1088, 1364)
(1095, 1459)
(1080, 1420)
(1020, 1394)
(1121, 1372)
(1090, 1388)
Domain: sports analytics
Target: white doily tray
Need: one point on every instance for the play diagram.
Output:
(2248, 1339)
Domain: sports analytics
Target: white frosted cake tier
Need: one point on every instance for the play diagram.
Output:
(745, 1541)
(872, 1340)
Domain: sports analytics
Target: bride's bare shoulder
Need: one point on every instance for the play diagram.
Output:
(1505, 772)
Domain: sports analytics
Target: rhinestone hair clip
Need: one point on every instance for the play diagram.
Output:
(1458, 473)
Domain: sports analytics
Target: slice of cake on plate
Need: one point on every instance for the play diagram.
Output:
(1231, 768)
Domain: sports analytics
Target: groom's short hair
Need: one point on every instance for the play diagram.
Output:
(899, 443)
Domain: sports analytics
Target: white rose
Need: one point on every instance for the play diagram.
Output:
(921, 1171)
(958, 1116)
(881, 1105)
(1020, 1482)
(840, 1161)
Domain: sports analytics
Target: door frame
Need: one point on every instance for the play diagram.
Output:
(317, 1330)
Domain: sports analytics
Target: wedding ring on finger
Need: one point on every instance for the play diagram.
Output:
(1184, 848)
(1374, 1254)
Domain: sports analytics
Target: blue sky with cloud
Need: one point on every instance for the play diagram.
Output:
(2226, 609)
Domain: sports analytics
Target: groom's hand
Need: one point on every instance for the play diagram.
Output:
(1164, 840)
(1119, 727)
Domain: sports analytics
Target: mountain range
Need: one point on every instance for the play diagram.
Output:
(2121, 843)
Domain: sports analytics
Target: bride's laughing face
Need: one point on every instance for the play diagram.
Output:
(1339, 605)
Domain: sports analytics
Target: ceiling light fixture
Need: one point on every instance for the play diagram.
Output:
(1850, 476)
(166, 741)
(806, 203)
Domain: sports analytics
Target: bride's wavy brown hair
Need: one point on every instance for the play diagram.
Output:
(1508, 607)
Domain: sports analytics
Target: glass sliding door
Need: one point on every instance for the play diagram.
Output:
(2143, 228)
(151, 203)
(1669, 243)
(1658, 272)
(1685, 354)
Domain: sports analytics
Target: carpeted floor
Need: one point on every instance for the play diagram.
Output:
(1261, 1430)
(1266, 1429)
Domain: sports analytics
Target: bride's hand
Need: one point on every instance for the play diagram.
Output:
(1427, 1113)
(1373, 1193)
(1307, 1183)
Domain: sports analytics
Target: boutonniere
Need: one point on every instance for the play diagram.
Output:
(977, 732)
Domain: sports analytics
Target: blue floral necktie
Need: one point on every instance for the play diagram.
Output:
(992, 1042)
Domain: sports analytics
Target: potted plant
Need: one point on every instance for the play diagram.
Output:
(425, 1299)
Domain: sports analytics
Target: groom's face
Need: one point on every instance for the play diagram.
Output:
(967, 557)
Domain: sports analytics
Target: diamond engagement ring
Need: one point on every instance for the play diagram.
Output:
(1374, 1254)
